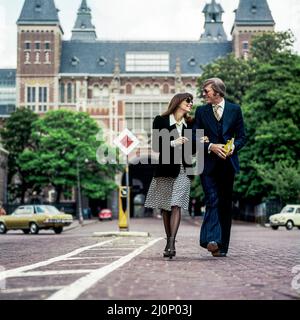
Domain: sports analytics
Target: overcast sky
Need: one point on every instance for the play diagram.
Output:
(140, 19)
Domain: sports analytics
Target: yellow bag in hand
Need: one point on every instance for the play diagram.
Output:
(229, 146)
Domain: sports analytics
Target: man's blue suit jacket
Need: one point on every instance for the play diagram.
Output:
(233, 127)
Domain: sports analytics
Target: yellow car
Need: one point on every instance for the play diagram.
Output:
(289, 217)
(33, 218)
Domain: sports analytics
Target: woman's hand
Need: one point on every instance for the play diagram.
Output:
(180, 141)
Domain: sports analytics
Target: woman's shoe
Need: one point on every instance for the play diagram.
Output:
(172, 250)
(167, 249)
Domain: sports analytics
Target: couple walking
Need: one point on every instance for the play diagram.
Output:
(170, 187)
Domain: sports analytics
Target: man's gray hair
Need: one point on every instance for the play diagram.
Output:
(217, 85)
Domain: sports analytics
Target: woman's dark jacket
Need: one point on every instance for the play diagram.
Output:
(163, 134)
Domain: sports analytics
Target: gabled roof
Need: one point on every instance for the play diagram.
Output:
(39, 12)
(99, 57)
(254, 12)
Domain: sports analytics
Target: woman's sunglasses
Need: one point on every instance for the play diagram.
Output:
(189, 100)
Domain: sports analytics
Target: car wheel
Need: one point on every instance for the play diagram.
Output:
(26, 231)
(299, 228)
(34, 229)
(275, 227)
(58, 230)
(289, 225)
(3, 229)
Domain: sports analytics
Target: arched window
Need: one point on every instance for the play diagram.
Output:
(96, 91)
(147, 90)
(128, 88)
(138, 89)
(105, 90)
(166, 88)
(156, 90)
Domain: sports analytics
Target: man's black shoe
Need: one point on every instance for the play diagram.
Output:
(219, 254)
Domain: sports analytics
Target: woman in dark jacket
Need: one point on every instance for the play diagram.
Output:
(170, 187)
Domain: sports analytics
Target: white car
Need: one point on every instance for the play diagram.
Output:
(289, 217)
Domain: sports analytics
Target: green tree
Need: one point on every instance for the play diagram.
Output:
(238, 75)
(267, 46)
(284, 180)
(63, 140)
(16, 137)
(272, 115)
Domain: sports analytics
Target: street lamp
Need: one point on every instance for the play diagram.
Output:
(79, 192)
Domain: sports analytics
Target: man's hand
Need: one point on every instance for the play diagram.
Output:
(218, 149)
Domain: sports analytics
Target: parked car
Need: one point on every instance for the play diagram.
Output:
(105, 214)
(33, 218)
(289, 217)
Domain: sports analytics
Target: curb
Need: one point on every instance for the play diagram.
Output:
(122, 234)
(77, 225)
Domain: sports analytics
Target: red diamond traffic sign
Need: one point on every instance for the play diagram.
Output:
(126, 141)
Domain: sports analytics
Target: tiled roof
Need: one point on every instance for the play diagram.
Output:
(38, 11)
(87, 55)
(253, 12)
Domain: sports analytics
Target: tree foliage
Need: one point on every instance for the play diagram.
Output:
(237, 74)
(16, 137)
(63, 142)
(268, 89)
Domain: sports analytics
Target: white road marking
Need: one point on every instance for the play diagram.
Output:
(15, 272)
(81, 264)
(77, 288)
(94, 258)
(112, 249)
(36, 289)
(51, 273)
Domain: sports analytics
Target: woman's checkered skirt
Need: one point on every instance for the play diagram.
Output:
(166, 192)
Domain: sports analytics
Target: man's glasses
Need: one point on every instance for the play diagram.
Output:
(189, 100)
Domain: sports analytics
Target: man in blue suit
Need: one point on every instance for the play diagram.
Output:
(221, 121)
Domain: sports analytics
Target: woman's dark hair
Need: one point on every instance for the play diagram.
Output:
(175, 103)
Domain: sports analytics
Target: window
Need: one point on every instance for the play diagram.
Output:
(27, 45)
(128, 88)
(74, 61)
(245, 45)
(147, 62)
(37, 46)
(43, 94)
(96, 91)
(69, 92)
(62, 92)
(47, 46)
(102, 61)
(166, 89)
(156, 90)
(192, 62)
(31, 94)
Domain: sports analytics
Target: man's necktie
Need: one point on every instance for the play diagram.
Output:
(217, 110)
